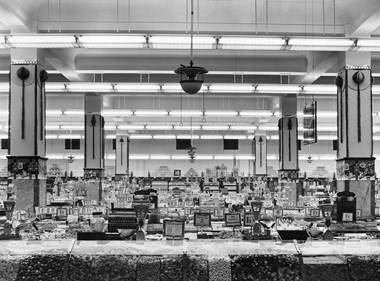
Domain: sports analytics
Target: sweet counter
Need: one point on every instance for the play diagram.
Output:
(189, 260)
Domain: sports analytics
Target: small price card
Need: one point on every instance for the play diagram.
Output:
(232, 219)
(315, 213)
(174, 229)
(358, 213)
(278, 213)
(62, 213)
(249, 219)
(348, 217)
(202, 219)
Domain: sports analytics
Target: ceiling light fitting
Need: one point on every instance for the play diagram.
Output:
(192, 84)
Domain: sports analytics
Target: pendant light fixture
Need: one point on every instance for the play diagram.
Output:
(192, 84)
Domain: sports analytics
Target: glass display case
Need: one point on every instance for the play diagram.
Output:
(189, 260)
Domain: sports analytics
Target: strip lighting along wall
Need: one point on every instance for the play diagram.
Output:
(216, 88)
(172, 137)
(77, 156)
(201, 42)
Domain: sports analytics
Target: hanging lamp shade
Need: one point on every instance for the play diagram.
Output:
(192, 84)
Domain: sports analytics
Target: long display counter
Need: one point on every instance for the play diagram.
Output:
(187, 260)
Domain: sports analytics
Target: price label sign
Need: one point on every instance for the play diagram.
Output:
(202, 219)
(315, 213)
(249, 219)
(348, 217)
(278, 213)
(174, 229)
(358, 213)
(232, 219)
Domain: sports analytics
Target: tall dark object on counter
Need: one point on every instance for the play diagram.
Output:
(346, 207)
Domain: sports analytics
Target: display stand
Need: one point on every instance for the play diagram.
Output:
(232, 220)
(202, 220)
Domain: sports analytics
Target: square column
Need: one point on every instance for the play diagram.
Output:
(122, 156)
(288, 139)
(260, 151)
(355, 161)
(94, 146)
(27, 119)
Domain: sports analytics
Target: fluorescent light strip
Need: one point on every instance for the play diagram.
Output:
(243, 128)
(211, 137)
(117, 112)
(186, 113)
(130, 127)
(250, 43)
(187, 137)
(140, 137)
(41, 41)
(110, 127)
(112, 41)
(54, 112)
(56, 87)
(203, 157)
(187, 128)
(150, 112)
(181, 42)
(69, 136)
(164, 137)
(221, 113)
(109, 137)
(139, 157)
(158, 127)
(52, 127)
(245, 157)
(224, 157)
(268, 128)
(180, 157)
(73, 127)
(215, 128)
(51, 137)
(159, 157)
(257, 113)
(235, 137)
(161, 41)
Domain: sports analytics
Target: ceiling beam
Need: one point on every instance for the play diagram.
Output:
(367, 21)
(15, 17)
(63, 60)
(318, 64)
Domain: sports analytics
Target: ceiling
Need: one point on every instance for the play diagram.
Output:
(246, 18)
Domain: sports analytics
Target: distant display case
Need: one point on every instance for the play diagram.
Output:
(189, 260)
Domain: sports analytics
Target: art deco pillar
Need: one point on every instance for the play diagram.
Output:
(355, 161)
(27, 146)
(122, 156)
(288, 148)
(260, 151)
(94, 146)
(288, 137)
